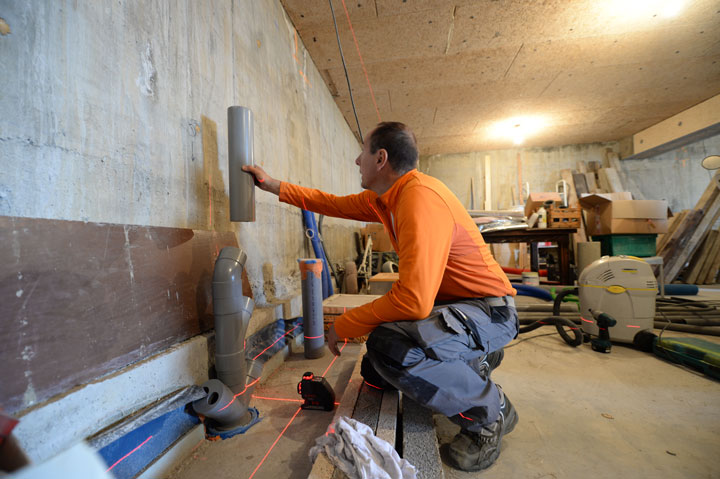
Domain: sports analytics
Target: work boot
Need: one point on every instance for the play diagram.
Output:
(371, 376)
(475, 451)
(486, 365)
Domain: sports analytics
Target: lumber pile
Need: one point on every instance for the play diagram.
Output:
(692, 242)
(596, 177)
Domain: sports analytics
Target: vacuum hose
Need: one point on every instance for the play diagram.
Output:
(559, 322)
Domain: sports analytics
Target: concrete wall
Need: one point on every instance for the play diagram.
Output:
(509, 169)
(676, 176)
(101, 120)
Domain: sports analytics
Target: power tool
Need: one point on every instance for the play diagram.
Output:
(604, 322)
(317, 392)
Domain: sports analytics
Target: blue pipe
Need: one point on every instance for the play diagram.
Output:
(527, 290)
(312, 232)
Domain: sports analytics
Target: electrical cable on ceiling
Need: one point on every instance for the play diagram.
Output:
(362, 63)
(352, 100)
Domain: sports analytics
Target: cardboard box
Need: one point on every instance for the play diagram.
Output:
(536, 200)
(618, 213)
(380, 239)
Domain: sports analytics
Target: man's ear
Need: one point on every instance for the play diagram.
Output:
(382, 158)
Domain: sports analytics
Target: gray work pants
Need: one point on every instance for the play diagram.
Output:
(436, 360)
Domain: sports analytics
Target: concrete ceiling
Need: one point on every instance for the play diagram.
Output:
(591, 70)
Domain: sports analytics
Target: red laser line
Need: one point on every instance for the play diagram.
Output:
(292, 418)
(276, 440)
(240, 393)
(277, 399)
(126, 455)
(278, 339)
(282, 399)
(465, 417)
(304, 207)
(210, 198)
(333, 361)
(373, 386)
(261, 180)
(357, 47)
(314, 337)
(632, 326)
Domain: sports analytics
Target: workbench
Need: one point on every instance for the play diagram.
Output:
(560, 236)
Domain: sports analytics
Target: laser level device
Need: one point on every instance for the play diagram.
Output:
(317, 392)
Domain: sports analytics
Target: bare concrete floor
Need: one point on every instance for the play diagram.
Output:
(582, 414)
(587, 414)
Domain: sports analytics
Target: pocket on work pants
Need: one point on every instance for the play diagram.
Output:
(494, 326)
(442, 335)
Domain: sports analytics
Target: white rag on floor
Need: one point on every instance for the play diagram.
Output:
(351, 446)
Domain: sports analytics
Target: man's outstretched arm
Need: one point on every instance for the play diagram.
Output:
(262, 180)
(353, 207)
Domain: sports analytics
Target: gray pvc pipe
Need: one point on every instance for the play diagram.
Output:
(222, 406)
(228, 396)
(314, 331)
(232, 313)
(240, 153)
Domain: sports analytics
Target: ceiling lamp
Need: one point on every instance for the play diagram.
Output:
(518, 129)
(645, 8)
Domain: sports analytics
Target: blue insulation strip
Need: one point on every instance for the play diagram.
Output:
(131, 453)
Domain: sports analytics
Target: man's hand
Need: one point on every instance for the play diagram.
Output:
(332, 339)
(262, 180)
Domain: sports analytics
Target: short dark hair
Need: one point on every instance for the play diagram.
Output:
(399, 142)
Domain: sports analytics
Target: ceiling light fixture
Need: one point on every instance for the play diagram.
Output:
(630, 11)
(671, 8)
(518, 129)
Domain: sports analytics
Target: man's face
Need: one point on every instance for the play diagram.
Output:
(368, 164)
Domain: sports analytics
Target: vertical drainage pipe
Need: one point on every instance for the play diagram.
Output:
(240, 153)
(311, 273)
(226, 403)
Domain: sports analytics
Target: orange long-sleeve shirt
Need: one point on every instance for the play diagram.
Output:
(442, 254)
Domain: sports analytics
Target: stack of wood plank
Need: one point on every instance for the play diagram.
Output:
(596, 177)
(691, 238)
(704, 265)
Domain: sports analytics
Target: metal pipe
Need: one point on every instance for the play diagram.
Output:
(240, 153)
(313, 327)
